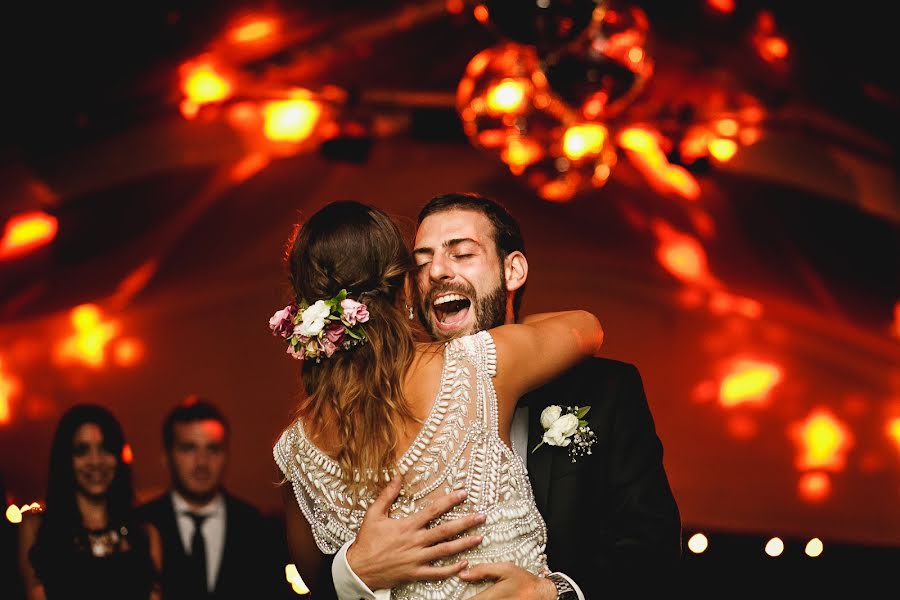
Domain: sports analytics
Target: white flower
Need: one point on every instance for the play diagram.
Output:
(566, 425)
(553, 437)
(549, 415)
(562, 428)
(567, 430)
(313, 319)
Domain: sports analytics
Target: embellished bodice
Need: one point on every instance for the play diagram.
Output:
(458, 447)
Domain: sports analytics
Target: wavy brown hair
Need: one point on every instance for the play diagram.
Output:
(356, 395)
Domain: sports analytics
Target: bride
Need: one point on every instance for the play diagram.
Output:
(380, 406)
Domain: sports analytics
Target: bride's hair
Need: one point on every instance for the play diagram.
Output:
(356, 394)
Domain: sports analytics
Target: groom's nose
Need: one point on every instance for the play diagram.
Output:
(440, 268)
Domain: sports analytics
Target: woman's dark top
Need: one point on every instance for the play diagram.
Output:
(94, 564)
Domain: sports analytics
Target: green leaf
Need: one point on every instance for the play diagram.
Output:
(341, 296)
(582, 423)
(536, 447)
(582, 411)
(353, 334)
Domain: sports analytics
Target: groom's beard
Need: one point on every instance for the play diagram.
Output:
(490, 309)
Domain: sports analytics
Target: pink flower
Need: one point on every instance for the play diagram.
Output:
(299, 353)
(282, 322)
(328, 346)
(354, 312)
(335, 333)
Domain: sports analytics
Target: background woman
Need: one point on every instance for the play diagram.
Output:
(87, 543)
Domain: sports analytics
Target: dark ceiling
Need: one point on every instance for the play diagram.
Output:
(78, 71)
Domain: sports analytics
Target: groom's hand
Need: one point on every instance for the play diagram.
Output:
(388, 552)
(510, 581)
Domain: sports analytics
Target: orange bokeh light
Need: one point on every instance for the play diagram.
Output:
(127, 454)
(88, 344)
(722, 6)
(773, 48)
(27, 231)
(823, 441)
(128, 352)
(723, 149)
(582, 140)
(290, 120)
(742, 427)
(681, 255)
(481, 13)
(9, 387)
(508, 96)
(521, 152)
(639, 140)
(748, 382)
(253, 30)
(893, 431)
(814, 486)
(202, 83)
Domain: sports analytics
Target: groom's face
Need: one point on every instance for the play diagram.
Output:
(460, 280)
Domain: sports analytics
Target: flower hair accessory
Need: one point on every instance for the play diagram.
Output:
(319, 330)
(567, 430)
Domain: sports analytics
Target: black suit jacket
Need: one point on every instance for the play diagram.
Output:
(249, 568)
(612, 521)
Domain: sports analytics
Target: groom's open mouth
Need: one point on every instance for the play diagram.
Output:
(450, 311)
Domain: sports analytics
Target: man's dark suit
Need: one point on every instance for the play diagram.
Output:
(249, 568)
(612, 521)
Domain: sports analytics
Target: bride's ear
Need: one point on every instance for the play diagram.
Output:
(515, 271)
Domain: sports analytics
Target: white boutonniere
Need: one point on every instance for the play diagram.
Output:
(568, 430)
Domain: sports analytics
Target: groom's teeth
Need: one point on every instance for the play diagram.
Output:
(448, 298)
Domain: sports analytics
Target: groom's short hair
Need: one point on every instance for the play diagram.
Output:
(507, 234)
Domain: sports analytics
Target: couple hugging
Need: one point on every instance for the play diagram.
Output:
(500, 458)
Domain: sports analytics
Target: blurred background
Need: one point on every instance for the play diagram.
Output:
(716, 179)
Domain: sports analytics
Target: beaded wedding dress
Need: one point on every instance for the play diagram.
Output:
(458, 447)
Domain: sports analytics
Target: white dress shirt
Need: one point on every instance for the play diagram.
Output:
(213, 530)
(350, 587)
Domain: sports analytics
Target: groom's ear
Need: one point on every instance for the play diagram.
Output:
(515, 270)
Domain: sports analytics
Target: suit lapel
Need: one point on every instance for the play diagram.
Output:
(229, 544)
(172, 533)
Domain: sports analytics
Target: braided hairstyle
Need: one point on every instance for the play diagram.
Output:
(356, 395)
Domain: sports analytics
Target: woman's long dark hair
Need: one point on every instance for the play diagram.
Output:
(357, 394)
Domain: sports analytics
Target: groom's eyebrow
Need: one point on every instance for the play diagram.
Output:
(427, 251)
(457, 242)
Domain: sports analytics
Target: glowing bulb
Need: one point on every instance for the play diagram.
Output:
(13, 514)
(698, 543)
(814, 547)
(774, 547)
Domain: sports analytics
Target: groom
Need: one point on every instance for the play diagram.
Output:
(612, 521)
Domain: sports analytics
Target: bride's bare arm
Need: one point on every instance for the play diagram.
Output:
(543, 347)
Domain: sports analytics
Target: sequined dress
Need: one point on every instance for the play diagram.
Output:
(458, 447)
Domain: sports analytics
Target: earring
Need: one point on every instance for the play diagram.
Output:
(412, 315)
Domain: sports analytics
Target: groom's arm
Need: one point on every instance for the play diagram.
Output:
(388, 552)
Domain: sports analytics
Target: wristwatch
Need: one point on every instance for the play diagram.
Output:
(564, 589)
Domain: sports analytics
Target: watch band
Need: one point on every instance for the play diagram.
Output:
(564, 589)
